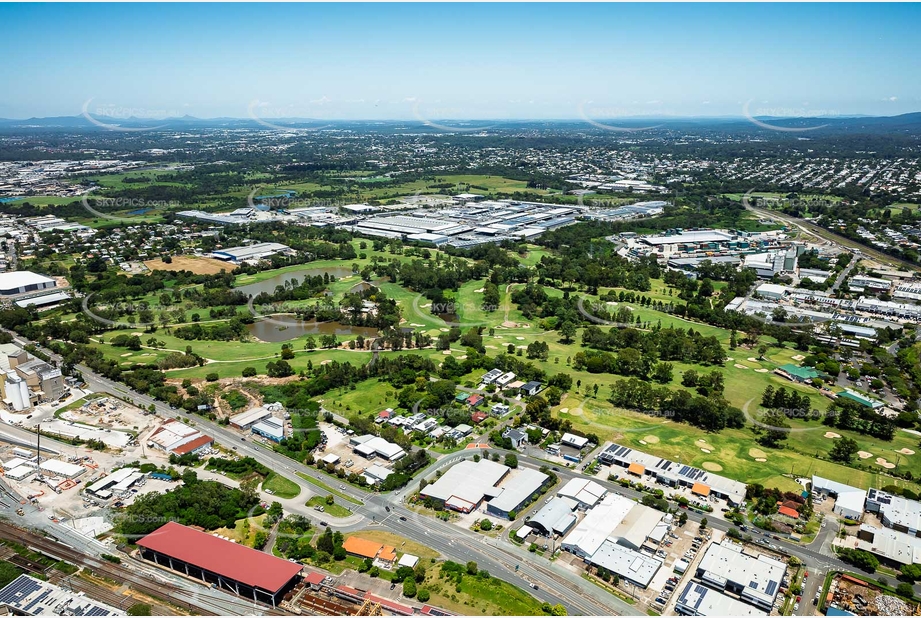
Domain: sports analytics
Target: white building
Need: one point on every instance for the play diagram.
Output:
(574, 441)
(585, 492)
(849, 501)
(755, 579)
(369, 446)
(615, 518)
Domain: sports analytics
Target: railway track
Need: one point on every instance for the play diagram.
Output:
(100, 567)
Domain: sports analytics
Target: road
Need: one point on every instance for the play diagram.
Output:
(556, 584)
(499, 556)
(818, 231)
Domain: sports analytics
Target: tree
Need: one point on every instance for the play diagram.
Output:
(843, 450)
(910, 572)
(662, 372)
(423, 595)
(905, 590)
(775, 428)
(486, 525)
(558, 610)
(249, 372)
(409, 588)
(472, 568)
(567, 331)
(330, 500)
(511, 460)
(211, 377)
(682, 518)
(703, 523)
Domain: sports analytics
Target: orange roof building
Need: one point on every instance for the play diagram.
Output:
(636, 469)
(362, 547)
(700, 489)
(787, 511)
(388, 554)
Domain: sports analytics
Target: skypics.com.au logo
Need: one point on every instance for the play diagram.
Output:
(120, 118)
(138, 206)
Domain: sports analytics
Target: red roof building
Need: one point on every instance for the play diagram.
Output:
(196, 444)
(788, 512)
(230, 566)
(478, 417)
(314, 579)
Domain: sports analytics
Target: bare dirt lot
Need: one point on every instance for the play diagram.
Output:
(197, 265)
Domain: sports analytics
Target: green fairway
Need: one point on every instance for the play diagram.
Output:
(735, 451)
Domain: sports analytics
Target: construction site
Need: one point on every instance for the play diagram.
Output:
(850, 594)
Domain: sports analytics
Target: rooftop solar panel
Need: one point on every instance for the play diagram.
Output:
(771, 587)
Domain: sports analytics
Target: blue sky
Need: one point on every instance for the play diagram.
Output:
(433, 61)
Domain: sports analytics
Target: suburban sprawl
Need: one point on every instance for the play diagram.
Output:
(398, 369)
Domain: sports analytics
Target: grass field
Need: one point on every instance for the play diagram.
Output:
(197, 265)
(476, 596)
(402, 544)
(333, 510)
(282, 487)
(244, 532)
(328, 488)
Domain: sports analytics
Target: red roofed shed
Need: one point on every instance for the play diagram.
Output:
(230, 566)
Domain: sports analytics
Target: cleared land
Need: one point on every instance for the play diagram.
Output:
(197, 265)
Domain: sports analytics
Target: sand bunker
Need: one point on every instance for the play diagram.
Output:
(752, 359)
(906, 451)
(711, 466)
(757, 453)
(325, 362)
(832, 434)
(480, 291)
(885, 464)
(761, 370)
(799, 357)
(864, 454)
(564, 410)
(643, 442)
(520, 338)
(652, 439)
(446, 352)
(444, 330)
(707, 451)
(704, 444)
(425, 306)
(760, 459)
(738, 366)
(417, 325)
(509, 324)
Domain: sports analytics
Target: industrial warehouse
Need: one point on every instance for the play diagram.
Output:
(468, 484)
(246, 572)
(700, 482)
(251, 253)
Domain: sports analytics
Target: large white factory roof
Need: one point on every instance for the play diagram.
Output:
(698, 600)
(760, 576)
(695, 236)
(467, 481)
(627, 563)
(21, 278)
(518, 489)
(582, 490)
(598, 524)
